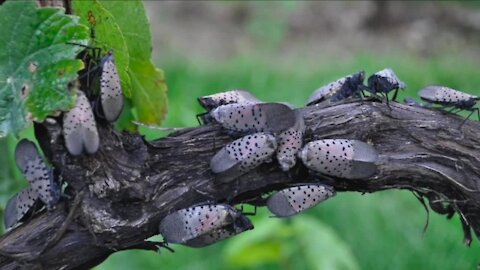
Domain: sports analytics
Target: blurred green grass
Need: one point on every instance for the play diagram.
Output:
(379, 231)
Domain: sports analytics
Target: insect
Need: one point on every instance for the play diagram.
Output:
(385, 81)
(448, 97)
(211, 102)
(350, 159)
(38, 174)
(190, 223)
(244, 154)
(250, 118)
(79, 128)
(110, 101)
(293, 200)
(230, 97)
(342, 88)
(241, 224)
(111, 95)
(19, 206)
(290, 142)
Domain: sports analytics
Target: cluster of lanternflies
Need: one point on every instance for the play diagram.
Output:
(80, 135)
(276, 130)
(263, 131)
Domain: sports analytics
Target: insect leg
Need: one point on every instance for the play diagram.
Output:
(464, 120)
(394, 98)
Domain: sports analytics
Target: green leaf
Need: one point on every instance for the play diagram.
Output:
(257, 247)
(301, 242)
(36, 64)
(317, 238)
(107, 36)
(149, 89)
(129, 20)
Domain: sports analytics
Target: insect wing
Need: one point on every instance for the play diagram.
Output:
(111, 95)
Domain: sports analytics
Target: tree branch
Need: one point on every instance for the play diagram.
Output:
(130, 184)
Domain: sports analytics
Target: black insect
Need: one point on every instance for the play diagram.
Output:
(383, 82)
(448, 97)
(348, 86)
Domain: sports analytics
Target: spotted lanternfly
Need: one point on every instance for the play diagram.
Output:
(79, 128)
(250, 118)
(293, 200)
(350, 159)
(234, 96)
(385, 81)
(111, 95)
(244, 154)
(290, 142)
(241, 224)
(190, 223)
(449, 97)
(345, 87)
(37, 172)
(19, 206)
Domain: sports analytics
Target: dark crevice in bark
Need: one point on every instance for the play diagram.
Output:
(130, 184)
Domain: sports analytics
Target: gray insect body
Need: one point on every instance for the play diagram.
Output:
(385, 81)
(19, 206)
(234, 96)
(290, 142)
(111, 94)
(79, 128)
(42, 181)
(37, 173)
(350, 159)
(447, 96)
(340, 89)
(241, 224)
(293, 200)
(244, 154)
(190, 223)
(258, 117)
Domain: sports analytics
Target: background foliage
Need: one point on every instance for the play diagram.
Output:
(281, 52)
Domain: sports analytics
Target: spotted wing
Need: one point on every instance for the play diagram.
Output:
(19, 206)
(210, 102)
(240, 225)
(290, 142)
(250, 118)
(293, 200)
(189, 223)
(111, 95)
(25, 151)
(79, 128)
(443, 94)
(244, 154)
(326, 91)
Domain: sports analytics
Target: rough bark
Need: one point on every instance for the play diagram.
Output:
(130, 184)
